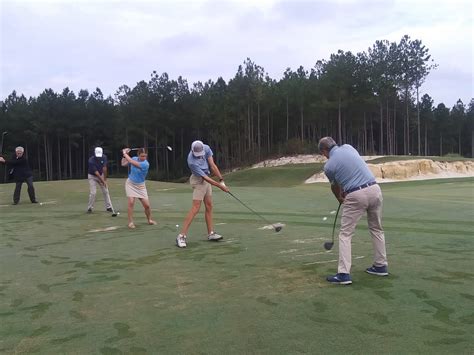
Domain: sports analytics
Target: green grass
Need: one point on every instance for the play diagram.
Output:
(66, 289)
(279, 176)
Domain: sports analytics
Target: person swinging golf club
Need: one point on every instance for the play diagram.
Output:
(354, 186)
(201, 164)
(97, 175)
(21, 172)
(135, 187)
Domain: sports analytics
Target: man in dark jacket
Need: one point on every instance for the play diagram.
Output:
(21, 173)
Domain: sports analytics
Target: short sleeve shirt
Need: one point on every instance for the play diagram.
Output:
(96, 164)
(138, 175)
(346, 168)
(199, 165)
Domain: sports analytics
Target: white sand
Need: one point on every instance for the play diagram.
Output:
(402, 170)
(409, 170)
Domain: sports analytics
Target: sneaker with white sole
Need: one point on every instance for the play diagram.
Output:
(214, 237)
(340, 279)
(377, 270)
(181, 241)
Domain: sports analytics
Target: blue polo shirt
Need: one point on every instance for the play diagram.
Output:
(138, 175)
(199, 165)
(346, 168)
(96, 164)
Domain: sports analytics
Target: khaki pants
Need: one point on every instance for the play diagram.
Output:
(356, 203)
(93, 182)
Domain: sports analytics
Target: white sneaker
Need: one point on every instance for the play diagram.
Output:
(181, 241)
(214, 236)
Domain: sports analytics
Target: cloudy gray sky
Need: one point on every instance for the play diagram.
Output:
(108, 43)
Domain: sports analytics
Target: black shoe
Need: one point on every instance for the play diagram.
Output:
(34, 201)
(109, 210)
(89, 210)
(15, 203)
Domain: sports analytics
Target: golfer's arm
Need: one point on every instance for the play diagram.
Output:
(124, 162)
(131, 161)
(105, 171)
(99, 176)
(214, 168)
(212, 182)
(13, 162)
(337, 191)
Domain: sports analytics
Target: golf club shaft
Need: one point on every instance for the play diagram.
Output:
(258, 214)
(1, 146)
(335, 220)
(110, 198)
(163, 146)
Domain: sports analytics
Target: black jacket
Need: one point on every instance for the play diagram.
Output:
(21, 169)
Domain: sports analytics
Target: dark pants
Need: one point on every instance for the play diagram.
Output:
(31, 189)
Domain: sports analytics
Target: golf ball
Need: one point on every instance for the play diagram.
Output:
(118, 213)
(177, 225)
(325, 218)
(41, 203)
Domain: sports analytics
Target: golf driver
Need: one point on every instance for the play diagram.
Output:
(275, 226)
(329, 245)
(166, 146)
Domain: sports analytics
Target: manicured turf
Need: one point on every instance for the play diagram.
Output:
(278, 176)
(65, 288)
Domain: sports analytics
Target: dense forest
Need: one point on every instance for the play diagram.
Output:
(370, 100)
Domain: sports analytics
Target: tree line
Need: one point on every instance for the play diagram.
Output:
(369, 99)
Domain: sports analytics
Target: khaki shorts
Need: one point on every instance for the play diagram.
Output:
(201, 188)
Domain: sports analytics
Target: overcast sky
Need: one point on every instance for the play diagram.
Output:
(106, 43)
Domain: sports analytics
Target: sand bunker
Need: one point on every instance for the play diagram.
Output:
(296, 159)
(403, 170)
(419, 169)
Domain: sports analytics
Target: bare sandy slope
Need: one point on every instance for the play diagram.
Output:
(403, 170)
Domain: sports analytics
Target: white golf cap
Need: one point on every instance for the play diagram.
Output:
(98, 152)
(197, 147)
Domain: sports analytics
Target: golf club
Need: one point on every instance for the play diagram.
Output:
(114, 213)
(165, 146)
(276, 227)
(329, 245)
(3, 136)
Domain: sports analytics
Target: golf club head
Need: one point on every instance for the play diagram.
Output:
(328, 245)
(169, 148)
(278, 226)
(115, 214)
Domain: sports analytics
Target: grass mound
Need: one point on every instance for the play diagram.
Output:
(278, 176)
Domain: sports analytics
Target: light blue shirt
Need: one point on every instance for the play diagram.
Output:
(199, 165)
(346, 168)
(138, 175)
